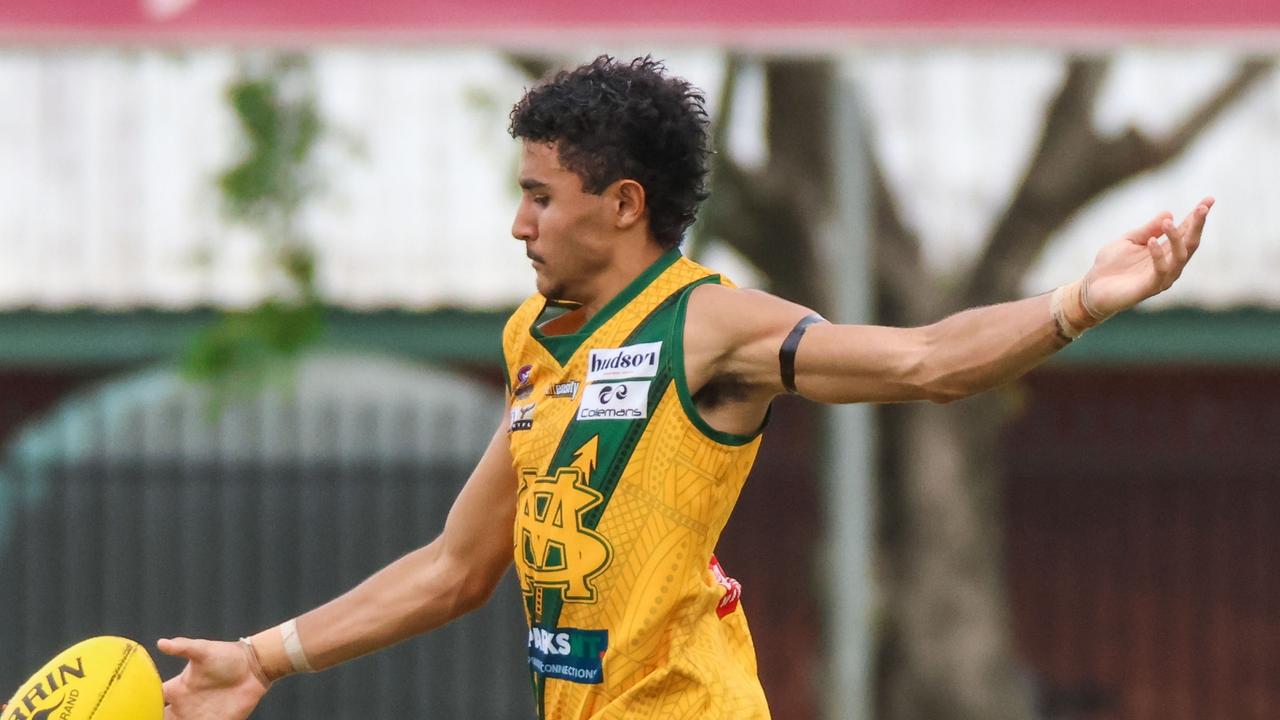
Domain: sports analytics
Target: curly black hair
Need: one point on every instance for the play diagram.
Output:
(612, 120)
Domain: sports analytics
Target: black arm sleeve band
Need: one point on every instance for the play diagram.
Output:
(787, 353)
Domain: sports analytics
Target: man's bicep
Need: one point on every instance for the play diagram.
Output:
(828, 362)
(740, 334)
(861, 363)
(735, 334)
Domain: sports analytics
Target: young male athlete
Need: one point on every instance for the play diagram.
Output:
(633, 418)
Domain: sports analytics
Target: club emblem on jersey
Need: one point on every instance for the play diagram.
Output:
(555, 549)
(524, 382)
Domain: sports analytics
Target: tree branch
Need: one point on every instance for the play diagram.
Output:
(900, 273)
(534, 66)
(1148, 153)
(765, 227)
(1073, 165)
(764, 215)
(721, 163)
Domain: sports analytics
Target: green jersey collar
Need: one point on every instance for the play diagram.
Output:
(562, 347)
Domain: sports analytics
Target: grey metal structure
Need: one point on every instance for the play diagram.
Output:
(129, 511)
(848, 484)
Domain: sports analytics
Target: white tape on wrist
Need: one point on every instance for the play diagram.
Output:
(293, 647)
(1060, 316)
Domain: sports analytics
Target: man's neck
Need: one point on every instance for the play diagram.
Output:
(620, 273)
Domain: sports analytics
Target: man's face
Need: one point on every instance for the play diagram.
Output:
(566, 232)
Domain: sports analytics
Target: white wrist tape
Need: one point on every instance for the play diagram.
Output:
(293, 647)
(1060, 317)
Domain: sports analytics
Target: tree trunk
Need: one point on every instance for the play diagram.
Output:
(947, 647)
(947, 651)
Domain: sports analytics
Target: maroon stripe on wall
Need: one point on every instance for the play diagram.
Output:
(433, 16)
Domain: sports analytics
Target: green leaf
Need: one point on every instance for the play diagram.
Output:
(265, 189)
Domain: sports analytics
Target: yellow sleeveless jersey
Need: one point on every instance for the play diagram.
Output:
(623, 492)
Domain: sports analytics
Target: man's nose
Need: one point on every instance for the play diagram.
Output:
(522, 229)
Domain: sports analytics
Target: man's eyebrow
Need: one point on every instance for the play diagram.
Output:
(531, 183)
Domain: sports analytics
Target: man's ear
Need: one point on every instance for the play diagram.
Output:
(629, 200)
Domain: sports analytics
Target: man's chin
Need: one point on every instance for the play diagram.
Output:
(549, 289)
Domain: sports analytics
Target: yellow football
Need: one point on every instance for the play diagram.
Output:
(102, 678)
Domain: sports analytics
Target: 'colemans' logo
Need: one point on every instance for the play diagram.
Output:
(34, 705)
(554, 548)
(615, 401)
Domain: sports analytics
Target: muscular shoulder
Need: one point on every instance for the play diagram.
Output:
(735, 333)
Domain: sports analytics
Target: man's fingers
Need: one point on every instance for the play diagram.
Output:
(168, 689)
(1152, 228)
(1184, 238)
(1162, 258)
(173, 646)
(182, 647)
(1178, 244)
(1155, 247)
(1194, 224)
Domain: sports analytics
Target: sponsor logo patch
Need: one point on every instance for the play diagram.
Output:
(615, 401)
(632, 361)
(568, 654)
(564, 390)
(521, 417)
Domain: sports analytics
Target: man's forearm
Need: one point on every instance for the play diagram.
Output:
(414, 594)
(964, 354)
(982, 348)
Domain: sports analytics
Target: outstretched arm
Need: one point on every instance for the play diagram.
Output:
(425, 589)
(739, 333)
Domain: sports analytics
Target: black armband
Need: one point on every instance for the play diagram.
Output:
(787, 353)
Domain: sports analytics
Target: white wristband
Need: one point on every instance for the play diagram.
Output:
(293, 647)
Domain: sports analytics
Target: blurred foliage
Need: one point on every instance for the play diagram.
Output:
(265, 190)
(268, 185)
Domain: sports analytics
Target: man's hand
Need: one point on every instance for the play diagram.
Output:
(1142, 263)
(218, 683)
